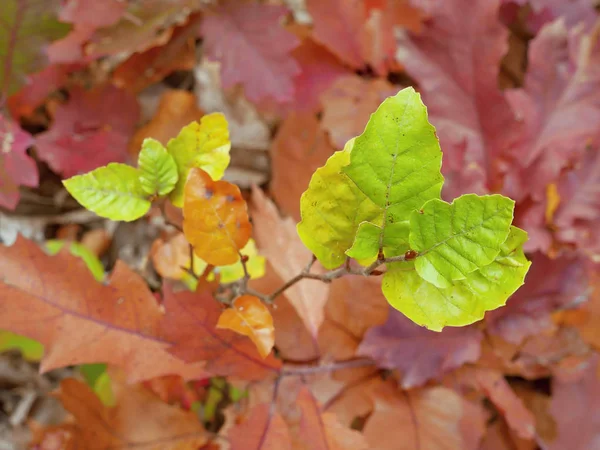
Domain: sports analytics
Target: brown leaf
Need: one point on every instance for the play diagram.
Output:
(431, 418)
(300, 143)
(56, 300)
(215, 218)
(250, 317)
(278, 241)
(262, 429)
(139, 420)
(177, 108)
(322, 431)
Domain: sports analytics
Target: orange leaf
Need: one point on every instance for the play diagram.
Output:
(57, 301)
(139, 420)
(250, 317)
(262, 430)
(215, 218)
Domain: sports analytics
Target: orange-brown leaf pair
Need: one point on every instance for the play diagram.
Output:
(215, 218)
(250, 317)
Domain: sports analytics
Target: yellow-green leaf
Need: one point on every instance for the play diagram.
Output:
(157, 168)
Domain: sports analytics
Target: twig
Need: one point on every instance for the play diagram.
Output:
(349, 364)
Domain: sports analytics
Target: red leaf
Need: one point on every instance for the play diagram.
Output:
(550, 285)
(16, 167)
(573, 12)
(91, 130)
(575, 406)
(263, 429)
(253, 49)
(92, 13)
(319, 69)
(419, 354)
(455, 61)
(321, 430)
(559, 107)
(57, 301)
(191, 324)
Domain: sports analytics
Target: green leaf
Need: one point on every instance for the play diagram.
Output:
(205, 145)
(97, 378)
(456, 239)
(396, 161)
(332, 209)
(25, 29)
(92, 262)
(465, 301)
(31, 349)
(113, 192)
(157, 168)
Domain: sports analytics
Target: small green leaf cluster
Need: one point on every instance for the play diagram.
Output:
(378, 200)
(121, 192)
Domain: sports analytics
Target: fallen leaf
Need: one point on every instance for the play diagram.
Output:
(321, 430)
(236, 30)
(301, 143)
(215, 218)
(248, 316)
(26, 29)
(455, 61)
(177, 108)
(57, 301)
(278, 241)
(262, 429)
(433, 418)
(191, 325)
(561, 87)
(348, 104)
(88, 132)
(138, 420)
(419, 354)
(319, 69)
(16, 167)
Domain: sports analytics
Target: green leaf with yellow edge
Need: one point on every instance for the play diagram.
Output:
(157, 168)
(456, 239)
(465, 301)
(367, 242)
(332, 209)
(396, 161)
(113, 191)
(31, 349)
(205, 145)
(92, 262)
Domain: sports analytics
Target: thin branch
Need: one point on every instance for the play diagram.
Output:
(341, 365)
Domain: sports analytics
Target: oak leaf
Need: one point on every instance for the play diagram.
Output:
(419, 354)
(215, 218)
(262, 429)
(16, 167)
(253, 49)
(191, 321)
(249, 316)
(57, 301)
(139, 420)
(88, 131)
(278, 241)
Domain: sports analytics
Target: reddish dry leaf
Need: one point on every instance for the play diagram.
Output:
(319, 69)
(171, 256)
(16, 167)
(92, 13)
(278, 241)
(550, 285)
(321, 430)
(253, 49)
(249, 316)
(191, 325)
(300, 143)
(89, 131)
(499, 437)
(215, 218)
(572, 11)
(455, 62)
(420, 354)
(57, 301)
(348, 104)
(431, 418)
(559, 107)
(177, 108)
(575, 405)
(144, 69)
(262, 429)
(139, 420)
